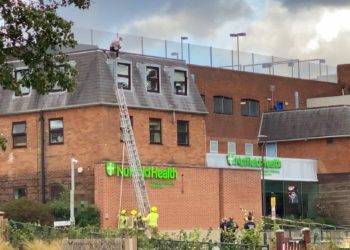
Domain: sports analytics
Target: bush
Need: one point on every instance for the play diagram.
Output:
(27, 210)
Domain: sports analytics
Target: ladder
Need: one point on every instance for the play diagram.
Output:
(130, 143)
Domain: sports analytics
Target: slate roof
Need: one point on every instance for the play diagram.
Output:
(96, 86)
(305, 124)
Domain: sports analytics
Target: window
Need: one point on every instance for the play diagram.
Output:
(180, 83)
(223, 105)
(183, 133)
(19, 192)
(248, 149)
(203, 98)
(250, 107)
(23, 89)
(271, 149)
(57, 88)
(214, 147)
(155, 130)
(152, 74)
(55, 191)
(231, 148)
(56, 131)
(121, 130)
(19, 134)
(124, 75)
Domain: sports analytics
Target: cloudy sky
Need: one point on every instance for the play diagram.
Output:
(298, 29)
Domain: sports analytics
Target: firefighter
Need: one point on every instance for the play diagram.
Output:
(152, 220)
(133, 219)
(123, 220)
(139, 222)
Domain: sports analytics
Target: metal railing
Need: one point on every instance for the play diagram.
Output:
(313, 69)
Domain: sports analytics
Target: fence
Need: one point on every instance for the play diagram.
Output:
(315, 69)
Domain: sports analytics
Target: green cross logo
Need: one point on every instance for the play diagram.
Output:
(110, 168)
(230, 159)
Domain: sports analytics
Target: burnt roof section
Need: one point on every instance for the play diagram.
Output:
(96, 86)
(305, 124)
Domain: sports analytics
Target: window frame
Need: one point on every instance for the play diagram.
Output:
(245, 149)
(182, 83)
(149, 79)
(19, 134)
(211, 147)
(128, 76)
(56, 130)
(16, 71)
(248, 102)
(228, 147)
(186, 133)
(151, 132)
(222, 106)
(19, 188)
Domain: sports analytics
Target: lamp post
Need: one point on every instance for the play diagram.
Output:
(262, 141)
(72, 190)
(182, 39)
(237, 35)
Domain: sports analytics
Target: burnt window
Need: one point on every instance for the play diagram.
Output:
(155, 130)
(121, 130)
(19, 192)
(250, 107)
(152, 75)
(19, 134)
(124, 75)
(223, 105)
(183, 133)
(180, 83)
(56, 131)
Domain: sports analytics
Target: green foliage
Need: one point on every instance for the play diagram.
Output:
(33, 33)
(252, 236)
(3, 142)
(27, 210)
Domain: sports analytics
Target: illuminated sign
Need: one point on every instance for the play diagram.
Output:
(247, 161)
(149, 172)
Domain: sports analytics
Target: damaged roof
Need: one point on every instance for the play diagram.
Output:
(96, 86)
(315, 123)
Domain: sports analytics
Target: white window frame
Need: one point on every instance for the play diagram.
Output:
(233, 144)
(211, 146)
(30, 88)
(159, 78)
(246, 150)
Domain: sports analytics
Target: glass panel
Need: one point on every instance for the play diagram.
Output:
(227, 106)
(218, 104)
(180, 76)
(56, 88)
(123, 69)
(271, 149)
(213, 146)
(155, 137)
(56, 124)
(154, 125)
(231, 148)
(248, 149)
(56, 137)
(254, 108)
(182, 138)
(244, 107)
(124, 81)
(292, 200)
(24, 90)
(20, 141)
(182, 126)
(19, 128)
(19, 192)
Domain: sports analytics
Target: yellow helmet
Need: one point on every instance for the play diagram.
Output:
(133, 212)
(123, 212)
(154, 209)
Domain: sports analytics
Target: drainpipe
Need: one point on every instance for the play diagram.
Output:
(42, 153)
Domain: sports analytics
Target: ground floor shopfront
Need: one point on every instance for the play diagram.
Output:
(186, 197)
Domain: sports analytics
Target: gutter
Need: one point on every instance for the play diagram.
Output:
(42, 154)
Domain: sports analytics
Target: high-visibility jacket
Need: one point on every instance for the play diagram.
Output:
(133, 221)
(123, 221)
(152, 219)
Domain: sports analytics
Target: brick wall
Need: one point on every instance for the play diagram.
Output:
(193, 201)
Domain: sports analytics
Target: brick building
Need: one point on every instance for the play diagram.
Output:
(185, 117)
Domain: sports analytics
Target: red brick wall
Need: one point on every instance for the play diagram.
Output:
(240, 85)
(331, 157)
(192, 202)
(343, 72)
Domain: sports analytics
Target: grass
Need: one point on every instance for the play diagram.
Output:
(42, 245)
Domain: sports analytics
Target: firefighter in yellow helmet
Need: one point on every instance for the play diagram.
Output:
(123, 220)
(152, 220)
(133, 222)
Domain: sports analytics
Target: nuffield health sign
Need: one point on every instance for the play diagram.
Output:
(149, 172)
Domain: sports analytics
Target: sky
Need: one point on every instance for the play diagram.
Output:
(298, 29)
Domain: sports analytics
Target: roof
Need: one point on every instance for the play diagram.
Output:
(305, 124)
(96, 86)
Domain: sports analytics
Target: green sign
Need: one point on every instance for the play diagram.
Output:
(258, 162)
(149, 172)
(162, 183)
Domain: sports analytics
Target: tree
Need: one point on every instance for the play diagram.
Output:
(3, 142)
(33, 33)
